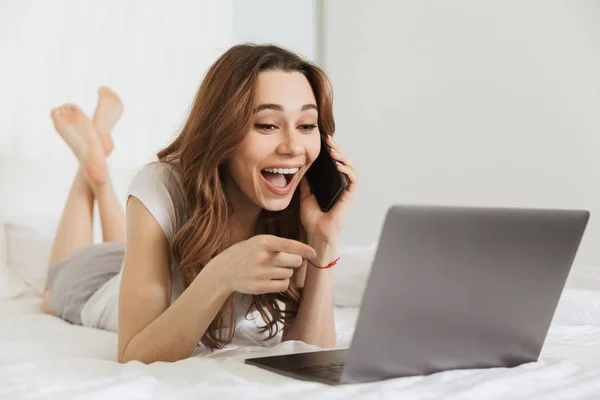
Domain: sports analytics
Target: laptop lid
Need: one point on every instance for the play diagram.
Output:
(461, 287)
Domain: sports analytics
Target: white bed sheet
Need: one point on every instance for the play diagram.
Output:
(44, 357)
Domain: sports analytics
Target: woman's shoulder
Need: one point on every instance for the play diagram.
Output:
(157, 172)
(157, 177)
(158, 187)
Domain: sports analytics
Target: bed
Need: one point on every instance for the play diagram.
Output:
(44, 357)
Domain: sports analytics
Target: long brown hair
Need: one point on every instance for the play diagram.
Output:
(219, 118)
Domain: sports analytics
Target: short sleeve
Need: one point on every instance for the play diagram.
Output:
(156, 186)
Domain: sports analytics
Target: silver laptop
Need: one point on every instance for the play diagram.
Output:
(451, 288)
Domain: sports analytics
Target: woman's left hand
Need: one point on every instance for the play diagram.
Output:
(326, 226)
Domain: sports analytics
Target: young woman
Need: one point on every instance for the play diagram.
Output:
(225, 241)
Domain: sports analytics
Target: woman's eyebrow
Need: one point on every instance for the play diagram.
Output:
(309, 107)
(278, 107)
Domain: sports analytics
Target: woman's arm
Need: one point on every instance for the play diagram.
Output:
(314, 322)
(150, 329)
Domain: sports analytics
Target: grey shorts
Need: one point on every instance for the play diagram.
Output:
(73, 281)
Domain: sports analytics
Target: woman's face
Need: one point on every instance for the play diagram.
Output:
(282, 143)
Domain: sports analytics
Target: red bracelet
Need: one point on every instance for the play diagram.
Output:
(331, 264)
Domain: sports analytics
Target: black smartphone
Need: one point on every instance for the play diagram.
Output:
(326, 182)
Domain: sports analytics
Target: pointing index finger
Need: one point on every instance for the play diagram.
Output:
(275, 243)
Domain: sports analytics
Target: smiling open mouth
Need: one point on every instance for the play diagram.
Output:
(279, 177)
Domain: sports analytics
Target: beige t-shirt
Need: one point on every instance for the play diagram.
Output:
(156, 185)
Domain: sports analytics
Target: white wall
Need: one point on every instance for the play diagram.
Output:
(468, 102)
(289, 23)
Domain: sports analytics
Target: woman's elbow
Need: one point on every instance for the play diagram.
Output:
(125, 355)
(124, 358)
(128, 354)
(148, 357)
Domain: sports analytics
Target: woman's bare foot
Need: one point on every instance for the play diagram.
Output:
(79, 133)
(107, 114)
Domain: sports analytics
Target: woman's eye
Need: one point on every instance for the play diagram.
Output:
(308, 128)
(265, 127)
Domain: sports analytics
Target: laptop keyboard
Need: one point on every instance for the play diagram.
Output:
(331, 371)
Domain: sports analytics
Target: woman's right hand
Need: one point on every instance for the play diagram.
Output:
(261, 264)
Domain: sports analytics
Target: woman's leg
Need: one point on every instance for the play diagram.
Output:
(112, 217)
(75, 228)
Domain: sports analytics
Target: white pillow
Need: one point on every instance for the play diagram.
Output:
(27, 252)
(11, 286)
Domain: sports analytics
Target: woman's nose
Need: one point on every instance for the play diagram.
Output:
(290, 145)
